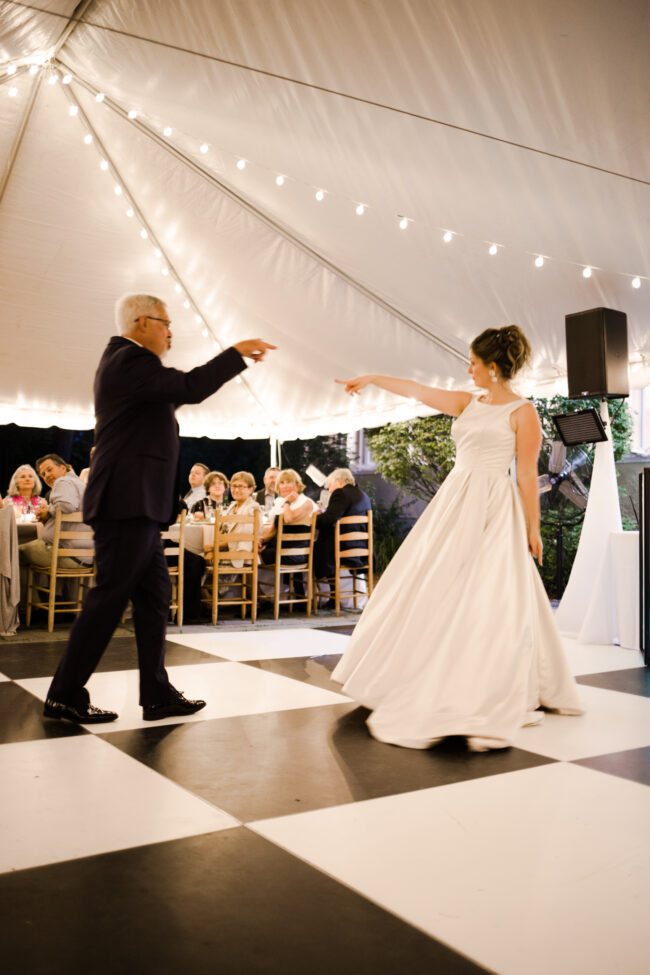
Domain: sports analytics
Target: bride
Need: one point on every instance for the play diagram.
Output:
(458, 637)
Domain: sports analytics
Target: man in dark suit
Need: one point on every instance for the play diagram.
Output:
(131, 494)
(346, 498)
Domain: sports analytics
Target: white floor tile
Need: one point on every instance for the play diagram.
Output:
(613, 722)
(537, 871)
(591, 659)
(266, 644)
(228, 688)
(72, 797)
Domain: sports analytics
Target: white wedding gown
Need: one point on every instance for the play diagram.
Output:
(458, 637)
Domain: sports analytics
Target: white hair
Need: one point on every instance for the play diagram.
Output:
(342, 474)
(13, 487)
(130, 307)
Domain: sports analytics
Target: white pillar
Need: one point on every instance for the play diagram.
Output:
(603, 516)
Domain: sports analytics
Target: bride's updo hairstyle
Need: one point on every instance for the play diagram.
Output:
(507, 347)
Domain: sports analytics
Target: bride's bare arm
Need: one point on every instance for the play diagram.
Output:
(452, 402)
(528, 435)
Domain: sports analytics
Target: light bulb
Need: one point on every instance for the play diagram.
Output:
(636, 282)
(103, 165)
(144, 234)
(52, 80)
(66, 79)
(33, 70)
(403, 224)
(164, 271)
(117, 190)
(157, 251)
(251, 399)
(204, 148)
(320, 195)
(167, 131)
(100, 96)
(13, 92)
(12, 70)
(73, 110)
(447, 236)
(132, 114)
(360, 210)
(88, 138)
(493, 249)
(539, 261)
(279, 180)
(241, 164)
(204, 333)
(586, 272)
(129, 212)
(186, 304)
(238, 379)
(198, 319)
(177, 289)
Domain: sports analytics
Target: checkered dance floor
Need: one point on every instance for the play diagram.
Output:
(270, 833)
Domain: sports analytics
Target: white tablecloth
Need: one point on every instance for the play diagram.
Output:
(196, 536)
(613, 612)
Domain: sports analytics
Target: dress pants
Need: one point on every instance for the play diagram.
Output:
(130, 565)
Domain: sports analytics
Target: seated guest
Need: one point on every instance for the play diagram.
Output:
(296, 509)
(197, 490)
(24, 491)
(266, 496)
(66, 493)
(345, 499)
(216, 485)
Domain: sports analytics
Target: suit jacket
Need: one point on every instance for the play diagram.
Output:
(348, 500)
(134, 468)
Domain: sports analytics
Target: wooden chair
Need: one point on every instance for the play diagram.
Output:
(176, 572)
(84, 573)
(229, 530)
(361, 533)
(286, 545)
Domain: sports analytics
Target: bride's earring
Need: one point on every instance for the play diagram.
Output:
(493, 376)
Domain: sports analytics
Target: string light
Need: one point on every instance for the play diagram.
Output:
(11, 69)
(198, 319)
(493, 249)
(103, 165)
(186, 304)
(539, 261)
(129, 212)
(360, 210)
(204, 333)
(117, 190)
(636, 282)
(238, 379)
(132, 114)
(34, 69)
(320, 195)
(447, 236)
(52, 80)
(66, 79)
(279, 180)
(167, 131)
(88, 138)
(204, 148)
(13, 92)
(144, 234)
(177, 289)
(164, 271)
(586, 272)
(100, 96)
(73, 110)
(241, 164)
(403, 223)
(157, 251)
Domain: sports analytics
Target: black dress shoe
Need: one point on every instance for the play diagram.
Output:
(85, 713)
(178, 705)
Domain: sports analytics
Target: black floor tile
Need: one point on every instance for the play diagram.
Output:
(309, 670)
(635, 680)
(264, 765)
(23, 660)
(633, 764)
(228, 902)
(21, 718)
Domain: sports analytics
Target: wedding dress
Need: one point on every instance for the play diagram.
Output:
(458, 637)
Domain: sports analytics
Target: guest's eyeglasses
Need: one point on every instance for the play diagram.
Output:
(165, 321)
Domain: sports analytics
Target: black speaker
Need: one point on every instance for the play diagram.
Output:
(596, 353)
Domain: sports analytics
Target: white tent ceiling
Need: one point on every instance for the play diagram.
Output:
(513, 122)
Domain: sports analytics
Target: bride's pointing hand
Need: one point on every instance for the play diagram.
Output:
(354, 386)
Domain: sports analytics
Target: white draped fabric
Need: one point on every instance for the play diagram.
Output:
(509, 122)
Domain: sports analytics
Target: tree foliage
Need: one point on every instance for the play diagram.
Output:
(416, 454)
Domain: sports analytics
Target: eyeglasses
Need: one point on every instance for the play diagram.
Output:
(165, 321)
